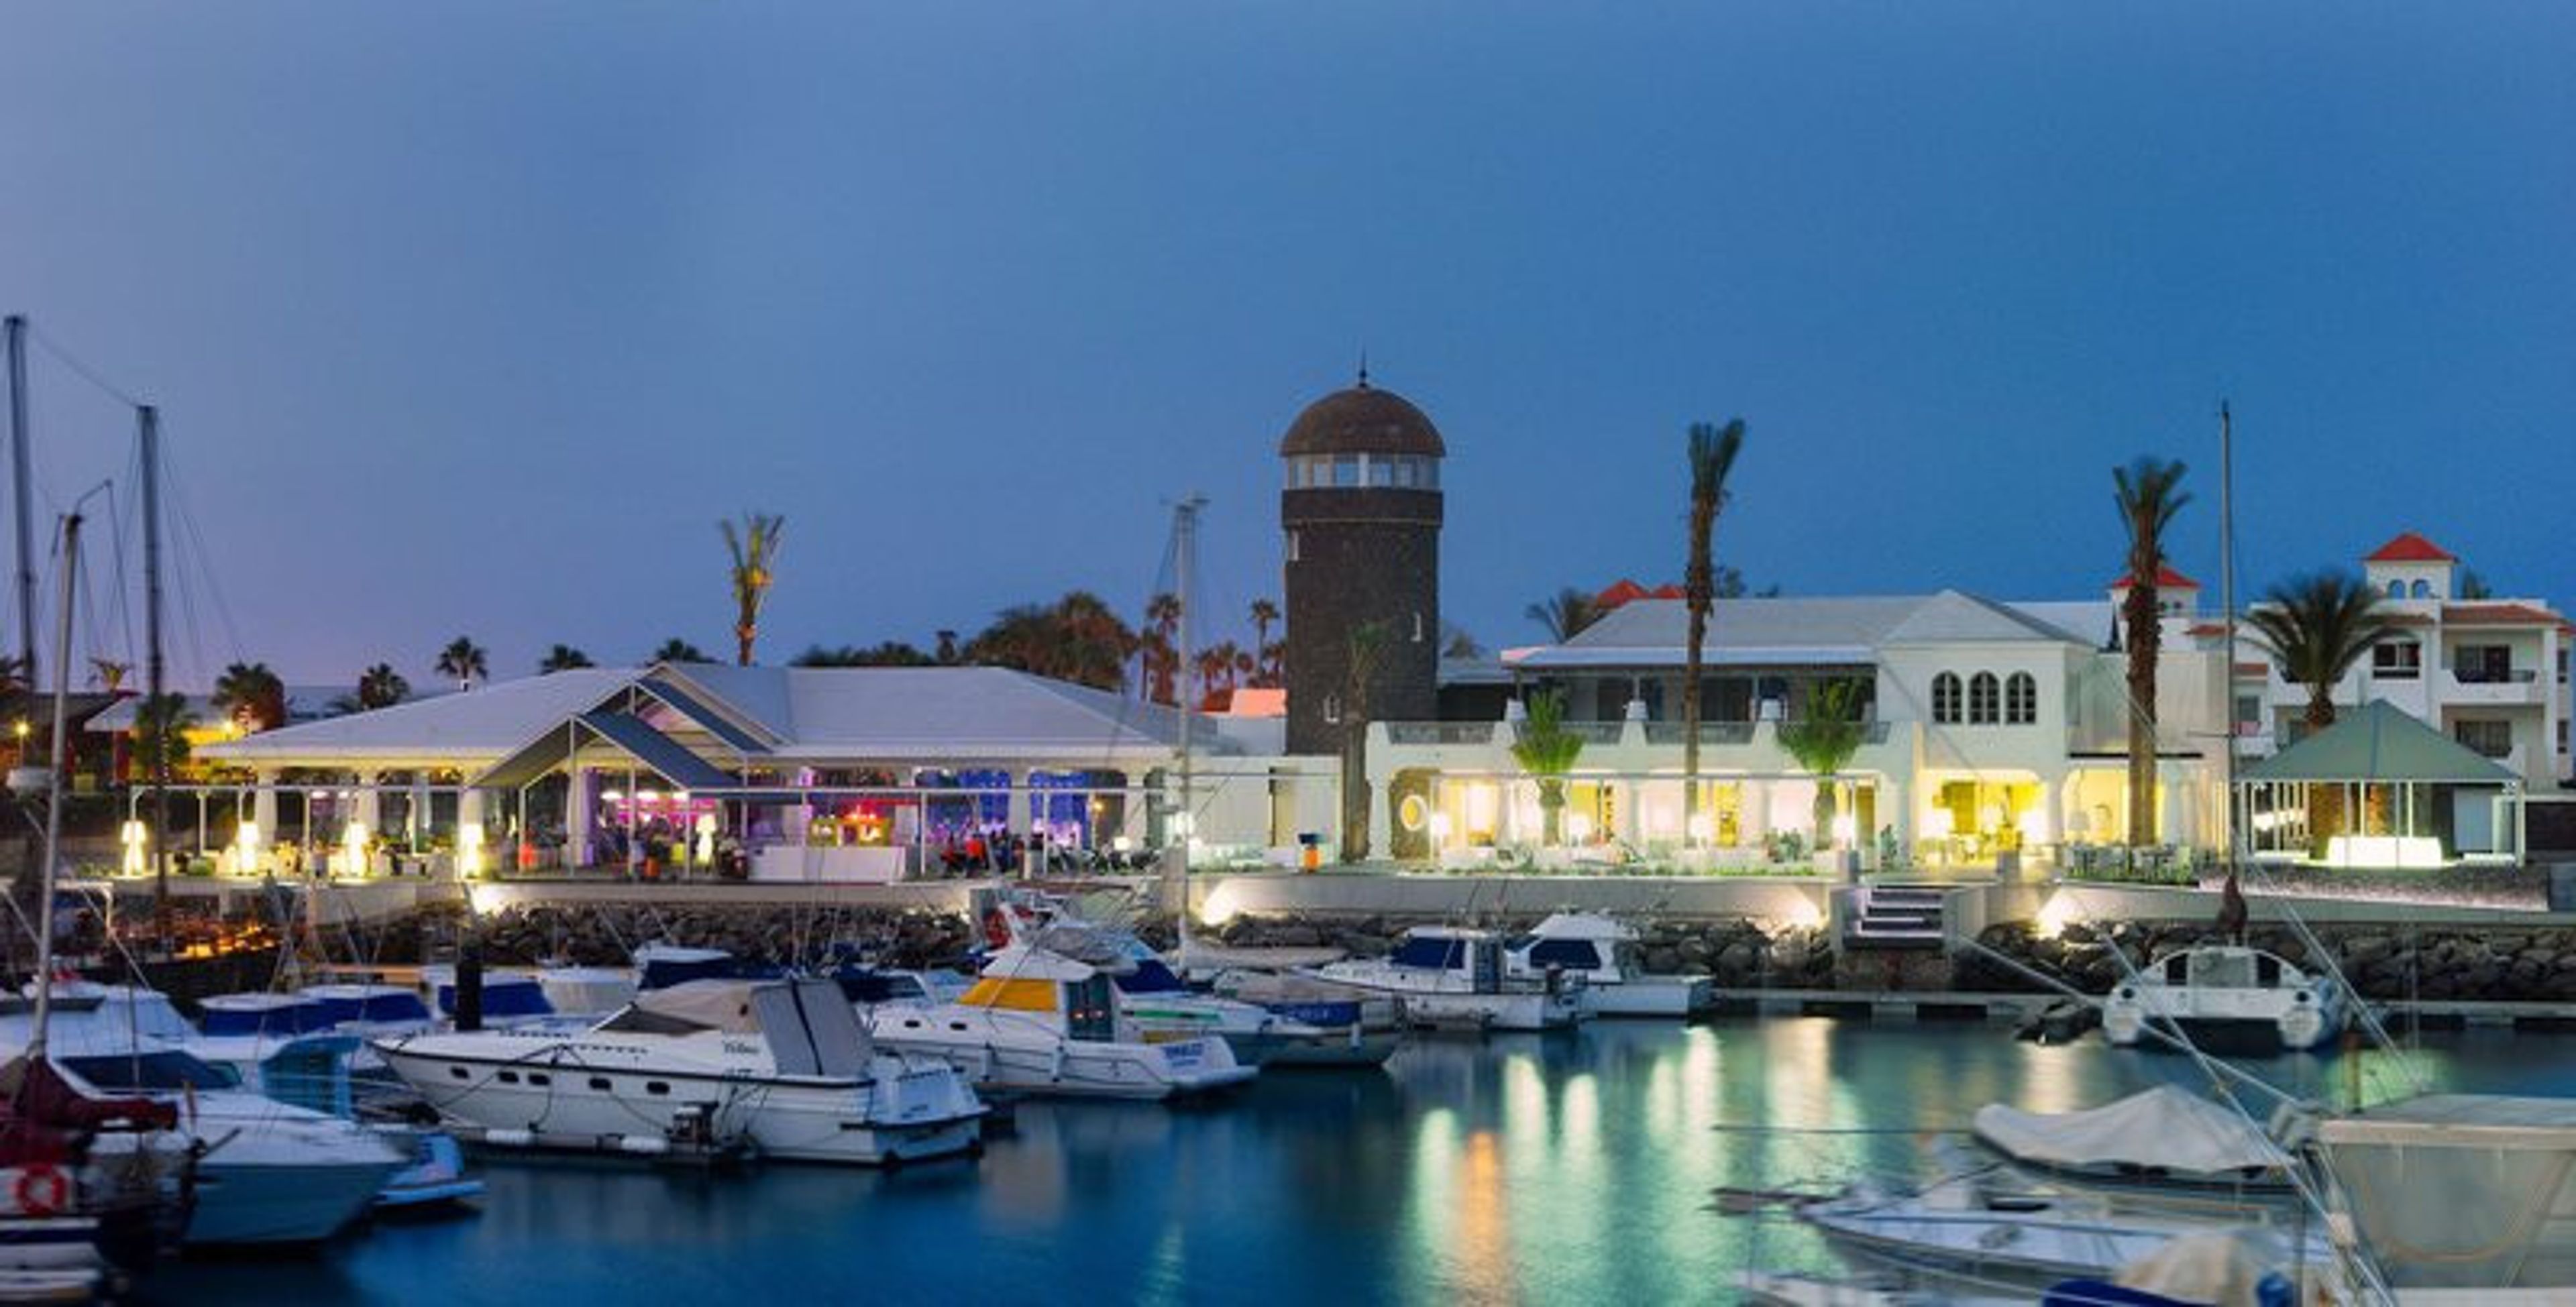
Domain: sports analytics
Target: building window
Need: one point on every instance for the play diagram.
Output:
(1292, 546)
(2021, 699)
(2562, 664)
(1417, 628)
(1333, 709)
(1982, 699)
(1945, 698)
(2562, 735)
(2249, 714)
(2397, 660)
(2396, 589)
(2421, 590)
(1346, 471)
(2489, 739)
(2483, 664)
(1381, 472)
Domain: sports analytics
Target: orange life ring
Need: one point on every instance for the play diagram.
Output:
(43, 1190)
(997, 930)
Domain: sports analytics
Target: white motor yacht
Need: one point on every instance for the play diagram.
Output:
(271, 1172)
(780, 1067)
(2227, 994)
(1452, 976)
(1603, 950)
(1039, 1022)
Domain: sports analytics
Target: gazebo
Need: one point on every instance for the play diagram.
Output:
(2413, 797)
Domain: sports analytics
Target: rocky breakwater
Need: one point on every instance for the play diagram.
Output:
(2500, 963)
(607, 934)
(1739, 953)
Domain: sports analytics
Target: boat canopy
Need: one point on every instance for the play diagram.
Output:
(1020, 962)
(2165, 1128)
(504, 997)
(716, 1004)
(1150, 976)
(233, 1015)
(809, 1027)
(2463, 1191)
(341, 1003)
(1571, 954)
(1441, 952)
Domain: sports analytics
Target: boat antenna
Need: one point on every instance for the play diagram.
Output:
(55, 746)
(15, 329)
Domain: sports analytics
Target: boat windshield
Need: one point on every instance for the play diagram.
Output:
(164, 1070)
(1571, 954)
(2223, 970)
(504, 998)
(1150, 977)
(1437, 952)
(645, 1021)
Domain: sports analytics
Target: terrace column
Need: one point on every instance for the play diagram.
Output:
(577, 817)
(369, 812)
(1754, 821)
(263, 805)
(1021, 823)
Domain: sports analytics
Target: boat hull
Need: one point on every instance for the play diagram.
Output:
(999, 1052)
(1674, 997)
(251, 1202)
(799, 1119)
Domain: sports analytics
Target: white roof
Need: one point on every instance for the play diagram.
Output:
(304, 703)
(1791, 631)
(816, 714)
(2162, 1127)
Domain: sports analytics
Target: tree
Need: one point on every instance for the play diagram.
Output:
(1076, 639)
(1823, 741)
(2473, 586)
(677, 650)
(1712, 457)
(754, 547)
(463, 662)
(252, 696)
(886, 653)
(946, 650)
(1158, 656)
(562, 658)
(1368, 643)
(161, 725)
(2148, 493)
(1457, 642)
(381, 686)
(1565, 613)
(1270, 656)
(1729, 584)
(2316, 627)
(1547, 750)
(109, 673)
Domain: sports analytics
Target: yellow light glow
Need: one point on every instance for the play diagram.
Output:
(1484, 801)
(1439, 829)
(1804, 914)
(1218, 908)
(1940, 824)
(21, 727)
(1578, 827)
(1846, 827)
(2056, 914)
(132, 835)
(1703, 827)
(469, 850)
(353, 846)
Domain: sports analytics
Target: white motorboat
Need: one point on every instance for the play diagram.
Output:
(1603, 950)
(597, 991)
(1966, 1231)
(1451, 976)
(1039, 1022)
(2227, 994)
(1357, 1028)
(782, 1067)
(2163, 1138)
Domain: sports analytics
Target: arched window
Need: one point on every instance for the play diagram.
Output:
(1945, 698)
(2421, 590)
(1983, 694)
(2396, 589)
(2021, 699)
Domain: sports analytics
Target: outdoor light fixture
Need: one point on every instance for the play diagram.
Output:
(353, 845)
(469, 850)
(1579, 826)
(1703, 828)
(246, 847)
(706, 826)
(1439, 829)
(132, 836)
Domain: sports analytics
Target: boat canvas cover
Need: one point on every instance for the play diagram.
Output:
(811, 1029)
(2462, 1191)
(2165, 1128)
(707, 1004)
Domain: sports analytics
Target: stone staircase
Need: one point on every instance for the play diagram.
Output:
(1897, 917)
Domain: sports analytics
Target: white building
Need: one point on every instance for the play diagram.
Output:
(2490, 673)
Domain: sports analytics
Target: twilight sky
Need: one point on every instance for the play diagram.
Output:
(476, 317)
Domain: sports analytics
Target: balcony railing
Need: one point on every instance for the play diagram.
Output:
(1440, 732)
(2494, 676)
(1710, 733)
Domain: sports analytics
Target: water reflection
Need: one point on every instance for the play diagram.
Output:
(1564, 1169)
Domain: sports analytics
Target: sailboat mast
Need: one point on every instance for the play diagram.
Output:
(2227, 602)
(1185, 543)
(55, 745)
(15, 329)
(148, 433)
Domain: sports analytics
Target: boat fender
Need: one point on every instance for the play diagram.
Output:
(506, 1138)
(43, 1190)
(643, 1145)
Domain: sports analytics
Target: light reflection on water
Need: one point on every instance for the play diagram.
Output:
(1518, 1169)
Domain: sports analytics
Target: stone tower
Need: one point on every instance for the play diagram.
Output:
(1361, 510)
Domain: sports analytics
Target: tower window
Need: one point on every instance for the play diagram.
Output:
(1292, 546)
(1417, 628)
(1346, 471)
(1333, 709)
(1381, 472)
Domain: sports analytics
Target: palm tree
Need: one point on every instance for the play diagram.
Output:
(462, 661)
(562, 658)
(677, 650)
(2316, 627)
(885, 653)
(1158, 655)
(1712, 457)
(161, 725)
(2148, 493)
(1565, 613)
(1268, 655)
(1823, 741)
(381, 686)
(1458, 642)
(754, 547)
(252, 696)
(1092, 644)
(1368, 645)
(1547, 750)
(2473, 586)
(109, 673)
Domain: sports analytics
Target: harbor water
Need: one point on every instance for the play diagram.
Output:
(1572, 1168)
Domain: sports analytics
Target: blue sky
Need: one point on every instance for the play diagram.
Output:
(476, 317)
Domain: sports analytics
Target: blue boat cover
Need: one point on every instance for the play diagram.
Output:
(1437, 953)
(514, 996)
(391, 1005)
(283, 1019)
(1150, 977)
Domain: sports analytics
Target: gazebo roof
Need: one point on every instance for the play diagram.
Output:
(2378, 742)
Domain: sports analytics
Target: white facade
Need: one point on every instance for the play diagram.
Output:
(2491, 673)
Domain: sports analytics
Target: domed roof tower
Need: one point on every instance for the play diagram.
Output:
(1361, 510)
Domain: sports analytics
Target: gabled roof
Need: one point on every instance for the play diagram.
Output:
(1955, 617)
(1741, 632)
(2167, 578)
(2408, 547)
(476, 724)
(2379, 742)
(1624, 591)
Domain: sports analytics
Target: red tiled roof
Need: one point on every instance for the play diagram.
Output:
(1623, 590)
(2166, 579)
(2209, 628)
(2408, 547)
(2253, 669)
(2499, 615)
(2405, 619)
